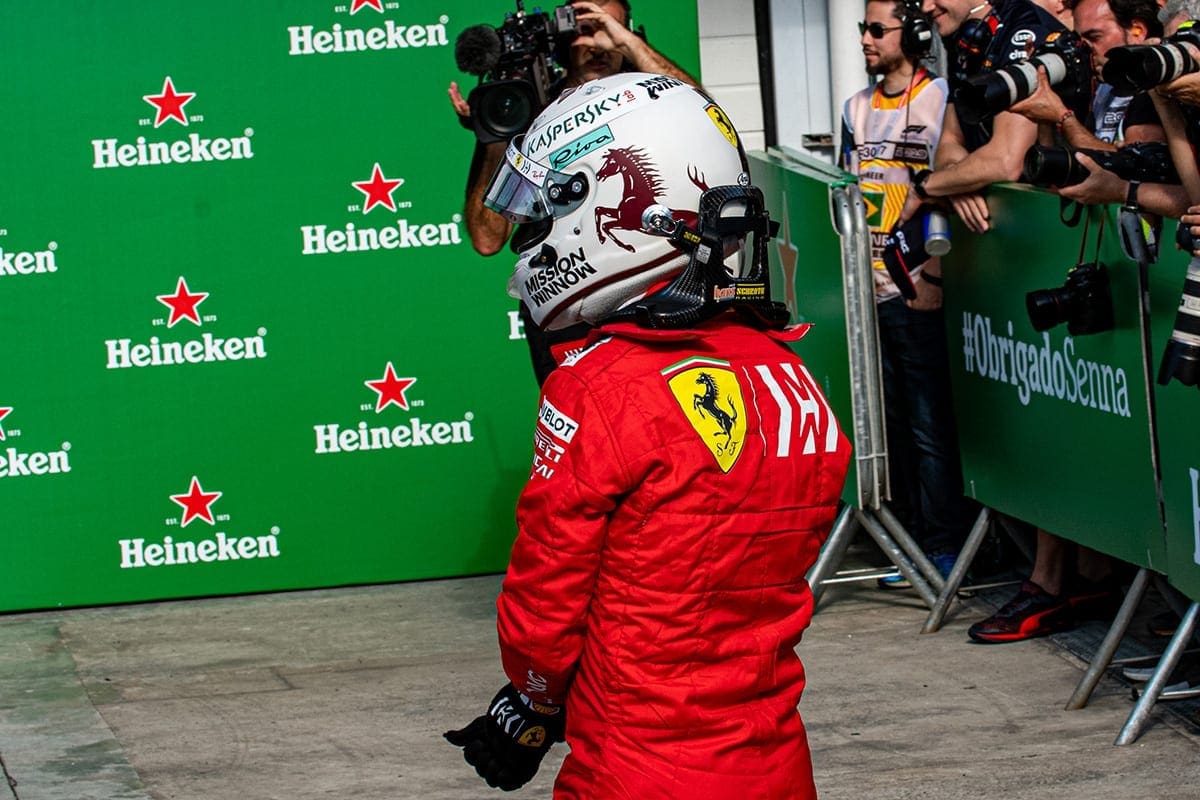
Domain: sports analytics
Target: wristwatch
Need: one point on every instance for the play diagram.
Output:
(918, 183)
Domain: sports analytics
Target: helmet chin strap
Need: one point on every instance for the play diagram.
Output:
(705, 288)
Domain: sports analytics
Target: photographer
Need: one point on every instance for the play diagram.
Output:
(1167, 200)
(972, 155)
(605, 46)
(1103, 24)
(1063, 589)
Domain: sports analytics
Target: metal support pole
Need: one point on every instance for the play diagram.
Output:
(832, 553)
(937, 614)
(1116, 631)
(1141, 712)
(896, 556)
(910, 546)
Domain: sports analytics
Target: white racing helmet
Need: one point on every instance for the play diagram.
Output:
(587, 182)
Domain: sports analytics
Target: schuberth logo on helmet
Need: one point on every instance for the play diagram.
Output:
(643, 187)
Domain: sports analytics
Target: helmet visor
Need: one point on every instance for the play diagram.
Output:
(518, 190)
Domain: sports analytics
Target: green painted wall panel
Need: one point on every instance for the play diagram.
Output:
(93, 451)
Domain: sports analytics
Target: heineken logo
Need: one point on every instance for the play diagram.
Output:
(169, 109)
(392, 390)
(18, 463)
(308, 40)
(378, 191)
(183, 304)
(196, 504)
(319, 240)
(169, 103)
(27, 262)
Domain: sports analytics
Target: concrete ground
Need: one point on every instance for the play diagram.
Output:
(345, 693)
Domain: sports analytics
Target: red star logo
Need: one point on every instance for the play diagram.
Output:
(391, 389)
(169, 104)
(182, 304)
(378, 190)
(4, 412)
(375, 4)
(196, 503)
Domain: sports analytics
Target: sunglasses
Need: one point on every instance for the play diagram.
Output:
(876, 29)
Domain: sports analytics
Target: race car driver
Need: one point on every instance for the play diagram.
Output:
(686, 466)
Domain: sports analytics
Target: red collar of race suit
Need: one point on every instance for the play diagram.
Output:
(630, 330)
(563, 351)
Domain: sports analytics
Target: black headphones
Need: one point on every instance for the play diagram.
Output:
(916, 32)
(976, 35)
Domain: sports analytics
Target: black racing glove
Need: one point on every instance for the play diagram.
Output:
(506, 745)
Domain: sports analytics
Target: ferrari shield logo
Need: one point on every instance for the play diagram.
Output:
(710, 396)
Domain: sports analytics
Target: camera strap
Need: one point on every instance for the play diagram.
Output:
(1133, 241)
(1073, 219)
(1087, 223)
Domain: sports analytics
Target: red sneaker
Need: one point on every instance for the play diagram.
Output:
(1033, 612)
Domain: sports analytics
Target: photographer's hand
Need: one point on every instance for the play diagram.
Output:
(598, 30)
(458, 101)
(1044, 105)
(1192, 220)
(1101, 186)
(972, 209)
(1183, 90)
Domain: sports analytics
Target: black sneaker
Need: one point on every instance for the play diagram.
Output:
(1033, 612)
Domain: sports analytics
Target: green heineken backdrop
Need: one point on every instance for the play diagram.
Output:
(247, 345)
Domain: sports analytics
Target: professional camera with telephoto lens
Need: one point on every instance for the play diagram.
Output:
(1181, 359)
(1084, 302)
(1139, 67)
(1146, 162)
(516, 66)
(1068, 64)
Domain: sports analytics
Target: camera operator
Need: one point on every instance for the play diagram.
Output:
(605, 46)
(1107, 25)
(980, 37)
(1103, 24)
(1178, 104)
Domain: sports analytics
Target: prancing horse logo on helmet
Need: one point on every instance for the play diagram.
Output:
(643, 185)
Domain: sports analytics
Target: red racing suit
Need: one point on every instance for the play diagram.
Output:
(682, 485)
